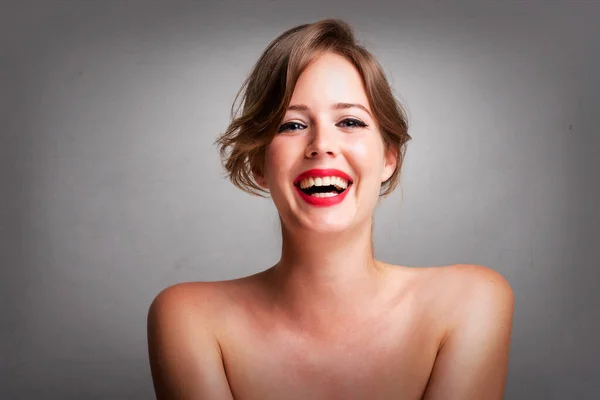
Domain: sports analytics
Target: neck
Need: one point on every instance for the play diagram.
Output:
(321, 277)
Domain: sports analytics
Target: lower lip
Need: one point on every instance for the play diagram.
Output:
(323, 201)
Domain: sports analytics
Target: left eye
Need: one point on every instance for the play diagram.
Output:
(351, 123)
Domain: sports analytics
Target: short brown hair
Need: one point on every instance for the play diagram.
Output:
(267, 91)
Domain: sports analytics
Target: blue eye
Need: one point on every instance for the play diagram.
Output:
(346, 123)
(352, 123)
(290, 127)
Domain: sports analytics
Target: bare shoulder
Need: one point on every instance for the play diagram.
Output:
(477, 285)
(204, 298)
(466, 282)
(197, 305)
(187, 299)
(483, 293)
(183, 341)
(455, 293)
(474, 276)
(476, 304)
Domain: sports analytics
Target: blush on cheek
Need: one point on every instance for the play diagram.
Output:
(279, 162)
(368, 157)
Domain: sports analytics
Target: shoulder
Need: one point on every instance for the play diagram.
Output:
(477, 304)
(183, 341)
(479, 283)
(184, 299)
(200, 302)
(185, 313)
(181, 314)
(475, 277)
(458, 292)
(468, 281)
(474, 294)
(462, 282)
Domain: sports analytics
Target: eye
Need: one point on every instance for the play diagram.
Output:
(352, 123)
(291, 127)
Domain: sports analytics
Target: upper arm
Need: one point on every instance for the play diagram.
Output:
(185, 358)
(472, 363)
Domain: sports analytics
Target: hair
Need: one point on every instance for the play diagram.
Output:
(267, 91)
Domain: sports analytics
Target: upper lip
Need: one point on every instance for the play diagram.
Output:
(317, 172)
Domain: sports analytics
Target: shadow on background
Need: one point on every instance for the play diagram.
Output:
(111, 189)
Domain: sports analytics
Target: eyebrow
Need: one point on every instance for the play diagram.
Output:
(336, 106)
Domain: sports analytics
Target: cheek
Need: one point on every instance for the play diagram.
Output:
(368, 154)
(279, 158)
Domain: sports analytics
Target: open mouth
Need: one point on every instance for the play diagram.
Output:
(323, 187)
(328, 186)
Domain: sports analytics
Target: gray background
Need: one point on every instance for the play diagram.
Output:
(111, 188)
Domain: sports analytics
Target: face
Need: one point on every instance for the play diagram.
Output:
(326, 163)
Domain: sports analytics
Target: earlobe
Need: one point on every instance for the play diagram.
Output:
(387, 173)
(258, 171)
(389, 166)
(259, 179)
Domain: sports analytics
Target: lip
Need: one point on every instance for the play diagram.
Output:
(323, 201)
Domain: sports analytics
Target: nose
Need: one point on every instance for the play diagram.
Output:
(323, 142)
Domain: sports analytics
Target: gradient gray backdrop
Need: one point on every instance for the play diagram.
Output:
(111, 188)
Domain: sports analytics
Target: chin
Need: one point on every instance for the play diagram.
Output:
(326, 227)
(319, 220)
(324, 224)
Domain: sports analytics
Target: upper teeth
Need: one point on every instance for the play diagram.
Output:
(340, 183)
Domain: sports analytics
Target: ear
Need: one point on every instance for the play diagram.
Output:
(390, 160)
(259, 178)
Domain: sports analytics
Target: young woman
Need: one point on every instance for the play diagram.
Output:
(321, 132)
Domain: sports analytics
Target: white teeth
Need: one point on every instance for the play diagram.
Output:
(329, 194)
(324, 181)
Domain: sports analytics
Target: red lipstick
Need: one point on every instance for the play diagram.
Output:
(322, 201)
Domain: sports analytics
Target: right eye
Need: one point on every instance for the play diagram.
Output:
(291, 127)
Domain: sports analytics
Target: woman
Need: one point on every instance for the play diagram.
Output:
(321, 132)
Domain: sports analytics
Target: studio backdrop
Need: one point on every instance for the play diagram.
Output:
(111, 188)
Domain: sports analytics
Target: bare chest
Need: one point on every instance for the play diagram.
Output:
(378, 360)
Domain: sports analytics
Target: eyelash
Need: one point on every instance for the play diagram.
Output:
(357, 124)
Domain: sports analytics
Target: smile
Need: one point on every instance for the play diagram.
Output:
(323, 187)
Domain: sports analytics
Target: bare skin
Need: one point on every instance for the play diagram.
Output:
(329, 321)
(433, 333)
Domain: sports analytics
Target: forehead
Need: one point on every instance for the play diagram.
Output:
(330, 79)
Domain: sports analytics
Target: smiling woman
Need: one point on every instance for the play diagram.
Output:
(320, 131)
(268, 91)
